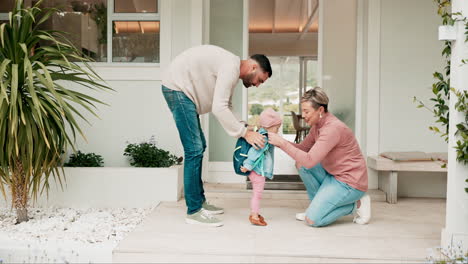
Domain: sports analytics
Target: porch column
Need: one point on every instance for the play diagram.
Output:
(456, 223)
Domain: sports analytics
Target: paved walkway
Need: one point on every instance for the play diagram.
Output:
(401, 232)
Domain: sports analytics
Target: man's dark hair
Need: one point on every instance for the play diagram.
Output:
(264, 63)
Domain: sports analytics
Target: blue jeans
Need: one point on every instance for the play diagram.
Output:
(330, 198)
(193, 140)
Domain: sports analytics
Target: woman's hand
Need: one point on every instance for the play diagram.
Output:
(276, 139)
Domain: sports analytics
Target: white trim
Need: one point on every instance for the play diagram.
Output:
(206, 21)
(198, 27)
(135, 16)
(373, 86)
(129, 73)
(4, 16)
(245, 55)
(320, 45)
(110, 9)
(196, 22)
(111, 17)
(165, 33)
(359, 69)
(205, 119)
(455, 233)
(120, 71)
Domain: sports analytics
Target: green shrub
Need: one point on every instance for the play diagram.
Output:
(146, 154)
(80, 159)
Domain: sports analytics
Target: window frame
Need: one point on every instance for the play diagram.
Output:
(4, 16)
(125, 71)
(112, 16)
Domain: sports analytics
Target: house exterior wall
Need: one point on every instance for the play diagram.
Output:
(137, 109)
(409, 54)
(136, 112)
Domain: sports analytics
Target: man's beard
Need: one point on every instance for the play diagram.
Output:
(246, 83)
(248, 80)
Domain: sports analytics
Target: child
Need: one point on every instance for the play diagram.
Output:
(270, 121)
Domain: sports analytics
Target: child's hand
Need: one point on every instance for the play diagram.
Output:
(244, 170)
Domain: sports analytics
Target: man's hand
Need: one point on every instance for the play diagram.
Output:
(244, 169)
(255, 139)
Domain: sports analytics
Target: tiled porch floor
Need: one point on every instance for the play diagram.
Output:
(398, 233)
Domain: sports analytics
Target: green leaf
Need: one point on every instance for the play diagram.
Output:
(37, 110)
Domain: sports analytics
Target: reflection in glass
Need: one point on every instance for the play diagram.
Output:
(85, 24)
(6, 5)
(135, 41)
(136, 6)
(281, 92)
(311, 77)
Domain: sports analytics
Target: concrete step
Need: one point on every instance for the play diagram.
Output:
(240, 191)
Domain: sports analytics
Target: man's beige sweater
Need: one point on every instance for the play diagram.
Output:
(208, 75)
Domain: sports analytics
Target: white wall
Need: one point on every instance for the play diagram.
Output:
(409, 54)
(137, 107)
(136, 111)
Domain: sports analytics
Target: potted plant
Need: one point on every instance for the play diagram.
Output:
(147, 154)
(154, 175)
(36, 108)
(80, 159)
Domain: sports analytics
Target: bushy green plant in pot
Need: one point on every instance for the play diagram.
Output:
(80, 159)
(147, 154)
(36, 108)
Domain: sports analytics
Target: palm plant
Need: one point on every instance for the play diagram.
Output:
(36, 109)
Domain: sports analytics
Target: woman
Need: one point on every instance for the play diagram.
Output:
(330, 164)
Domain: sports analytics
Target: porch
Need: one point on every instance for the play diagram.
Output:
(398, 233)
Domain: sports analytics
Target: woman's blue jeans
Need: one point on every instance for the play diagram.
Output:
(330, 198)
(193, 140)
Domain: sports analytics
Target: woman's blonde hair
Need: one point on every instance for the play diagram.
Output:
(317, 97)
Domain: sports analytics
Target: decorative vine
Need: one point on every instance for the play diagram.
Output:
(441, 90)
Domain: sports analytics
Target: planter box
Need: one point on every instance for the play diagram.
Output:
(113, 187)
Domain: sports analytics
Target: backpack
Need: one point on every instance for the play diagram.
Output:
(240, 155)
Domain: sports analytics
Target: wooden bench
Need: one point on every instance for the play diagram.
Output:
(388, 182)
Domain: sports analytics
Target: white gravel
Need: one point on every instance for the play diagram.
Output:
(66, 227)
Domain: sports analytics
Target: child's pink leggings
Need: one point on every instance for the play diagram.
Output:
(258, 183)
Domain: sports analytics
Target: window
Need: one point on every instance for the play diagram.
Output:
(134, 34)
(135, 31)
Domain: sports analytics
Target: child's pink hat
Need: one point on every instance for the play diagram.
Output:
(269, 118)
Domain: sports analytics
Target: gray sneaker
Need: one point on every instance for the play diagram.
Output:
(202, 217)
(214, 210)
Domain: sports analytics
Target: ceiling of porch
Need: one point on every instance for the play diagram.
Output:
(283, 28)
(280, 16)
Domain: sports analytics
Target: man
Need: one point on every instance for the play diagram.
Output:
(198, 81)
